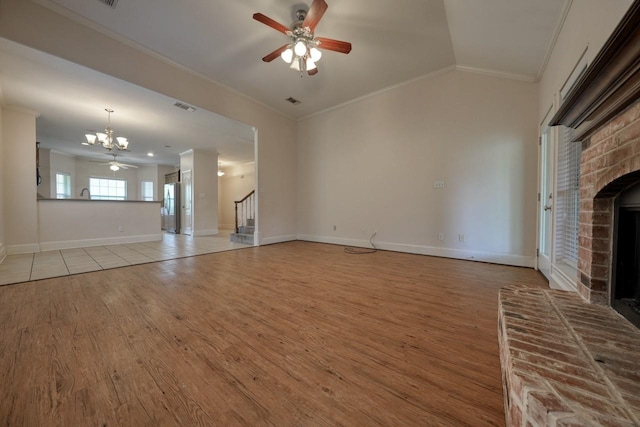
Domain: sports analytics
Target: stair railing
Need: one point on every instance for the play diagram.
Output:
(247, 210)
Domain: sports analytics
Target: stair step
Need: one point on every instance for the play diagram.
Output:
(242, 238)
(247, 229)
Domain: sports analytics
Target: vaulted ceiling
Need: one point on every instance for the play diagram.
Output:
(393, 42)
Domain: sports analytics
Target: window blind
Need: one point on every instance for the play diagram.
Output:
(567, 198)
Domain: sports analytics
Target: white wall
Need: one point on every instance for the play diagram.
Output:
(40, 28)
(103, 220)
(205, 193)
(371, 165)
(20, 189)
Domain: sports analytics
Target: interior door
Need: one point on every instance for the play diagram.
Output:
(187, 205)
(545, 198)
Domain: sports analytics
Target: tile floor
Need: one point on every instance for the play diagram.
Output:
(43, 265)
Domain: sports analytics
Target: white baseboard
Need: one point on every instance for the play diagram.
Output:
(471, 255)
(3, 252)
(559, 280)
(29, 248)
(276, 239)
(211, 232)
(71, 244)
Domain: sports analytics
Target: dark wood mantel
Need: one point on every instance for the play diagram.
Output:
(610, 84)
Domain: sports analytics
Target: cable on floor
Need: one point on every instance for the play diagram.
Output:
(362, 251)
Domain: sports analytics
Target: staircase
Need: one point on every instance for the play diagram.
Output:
(245, 233)
(245, 220)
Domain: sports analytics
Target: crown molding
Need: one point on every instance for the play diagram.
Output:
(494, 73)
(554, 39)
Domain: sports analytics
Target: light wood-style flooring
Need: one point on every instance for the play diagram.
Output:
(306, 335)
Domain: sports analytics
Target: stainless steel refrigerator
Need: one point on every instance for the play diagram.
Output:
(171, 221)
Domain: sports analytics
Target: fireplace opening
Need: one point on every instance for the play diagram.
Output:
(625, 292)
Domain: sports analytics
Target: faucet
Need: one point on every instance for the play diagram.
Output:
(88, 193)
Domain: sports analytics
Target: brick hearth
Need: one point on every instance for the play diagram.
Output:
(566, 362)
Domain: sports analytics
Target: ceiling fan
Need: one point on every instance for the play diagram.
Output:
(115, 165)
(303, 52)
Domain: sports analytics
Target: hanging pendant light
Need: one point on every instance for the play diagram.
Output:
(106, 138)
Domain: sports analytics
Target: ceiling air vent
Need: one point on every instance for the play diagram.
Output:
(111, 3)
(185, 107)
(293, 101)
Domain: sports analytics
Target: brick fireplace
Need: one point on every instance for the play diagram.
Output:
(569, 359)
(610, 163)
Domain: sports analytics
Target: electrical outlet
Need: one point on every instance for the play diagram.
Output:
(441, 236)
(438, 184)
(121, 228)
(461, 238)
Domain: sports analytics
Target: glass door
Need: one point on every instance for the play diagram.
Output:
(545, 197)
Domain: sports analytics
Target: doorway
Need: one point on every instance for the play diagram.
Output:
(545, 196)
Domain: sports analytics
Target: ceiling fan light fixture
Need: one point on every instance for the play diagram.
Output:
(315, 53)
(304, 51)
(310, 64)
(296, 64)
(114, 168)
(220, 173)
(287, 55)
(300, 48)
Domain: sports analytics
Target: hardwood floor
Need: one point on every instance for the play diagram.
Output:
(308, 335)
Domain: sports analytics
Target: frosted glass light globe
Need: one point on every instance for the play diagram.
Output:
(310, 64)
(287, 55)
(300, 48)
(316, 54)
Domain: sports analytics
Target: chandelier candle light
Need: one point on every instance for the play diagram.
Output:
(106, 139)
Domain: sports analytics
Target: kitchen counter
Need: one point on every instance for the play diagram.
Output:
(89, 200)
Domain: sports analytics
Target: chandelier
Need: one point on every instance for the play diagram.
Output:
(106, 138)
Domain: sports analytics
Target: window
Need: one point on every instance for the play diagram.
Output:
(568, 184)
(568, 199)
(63, 186)
(108, 189)
(146, 192)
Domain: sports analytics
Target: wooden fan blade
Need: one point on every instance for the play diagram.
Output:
(270, 22)
(273, 55)
(335, 45)
(313, 72)
(317, 9)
